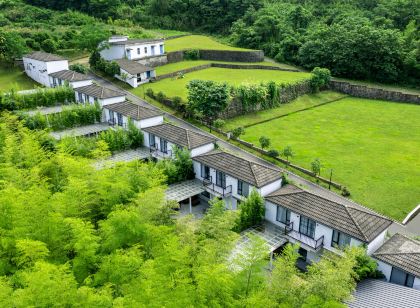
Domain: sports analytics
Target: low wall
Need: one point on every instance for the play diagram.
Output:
(220, 55)
(184, 71)
(253, 67)
(373, 93)
(154, 61)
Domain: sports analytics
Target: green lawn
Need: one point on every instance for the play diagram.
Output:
(196, 42)
(177, 87)
(12, 77)
(300, 103)
(372, 146)
(177, 66)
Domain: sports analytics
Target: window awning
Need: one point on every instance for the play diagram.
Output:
(184, 190)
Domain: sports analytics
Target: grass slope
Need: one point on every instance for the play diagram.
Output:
(12, 77)
(196, 42)
(177, 87)
(372, 146)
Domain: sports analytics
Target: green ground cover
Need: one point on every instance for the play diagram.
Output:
(12, 77)
(197, 42)
(302, 102)
(372, 146)
(177, 66)
(177, 87)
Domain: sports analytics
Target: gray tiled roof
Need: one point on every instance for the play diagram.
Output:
(70, 75)
(43, 56)
(240, 168)
(133, 67)
(136, 41)
(353, 220)
(380, 294)
(179, 136)
(402, 252)
(133, 111)
(99, 92)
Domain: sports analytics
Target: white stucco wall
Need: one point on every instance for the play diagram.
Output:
(39, 70)
(132, 80)
(113, 52)
(269, 188)
(78, 84)
(376, 243)
(203, 149)
(138, 123)
(416, 284)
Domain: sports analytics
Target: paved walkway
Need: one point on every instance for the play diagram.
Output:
(396, 227)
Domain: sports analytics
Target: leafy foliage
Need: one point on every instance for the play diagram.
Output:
(252, 211)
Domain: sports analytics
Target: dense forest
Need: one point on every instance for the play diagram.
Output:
(373, 40)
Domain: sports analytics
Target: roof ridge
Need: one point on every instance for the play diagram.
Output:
(188, 138)
(102, 92)
(253, 173)
(274, 194)
(356, 223)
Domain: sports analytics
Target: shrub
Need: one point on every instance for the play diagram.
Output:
(264, 142)
(80, 68)
(160, 97)
(288, 152)
(252, 95)
(178, 169)
(237, 132)
(320, 78)
(192, 54)
(150, 93)
(219, 123)
(345, 192)
(316, 166)
(273, 153)
(366, 267)
(252, 211)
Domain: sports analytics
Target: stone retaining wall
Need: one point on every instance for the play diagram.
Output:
(373, 93)
(253, 67)
(175, 56)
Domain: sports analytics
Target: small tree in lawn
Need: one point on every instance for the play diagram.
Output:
(207, 98)
(264, 142)
(219, 123)
(288, 152)
(237, 132)
(316, 167)
(252, 211)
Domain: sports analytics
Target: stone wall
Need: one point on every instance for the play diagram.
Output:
(175, 56)
(184, 71)
(373, 93)
(232, 55)
(253, 67)
(154, 61)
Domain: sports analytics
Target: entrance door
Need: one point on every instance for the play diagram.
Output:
(153, 50)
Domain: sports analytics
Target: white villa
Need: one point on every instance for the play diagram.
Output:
(164, 138)
(104, 96)
(120, 47)
(232, 178)
(118, 114)
(134, 73)
(51, 70)
(399, 260)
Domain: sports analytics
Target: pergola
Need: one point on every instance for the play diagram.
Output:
(81, 131)
(272, 234)
(124, 156)
(45, 110)
(184, 190)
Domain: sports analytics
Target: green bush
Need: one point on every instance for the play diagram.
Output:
(273, 153)
(80, 68)
(252, 95)
(320, 78)
(160, 97)
(252, 211)
(120, 139)
(192, 54)
(150, 93)
(237, 132)
(40, 98)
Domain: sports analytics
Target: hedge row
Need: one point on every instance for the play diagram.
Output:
(40, 98)
(70, 116)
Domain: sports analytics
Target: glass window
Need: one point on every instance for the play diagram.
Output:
(163, 145)
(161, 49)
(283, 215)
(120, 119)
(205, 172)
(402, 278)
(80, 95)
(151, 140)
(111, 116)
(243, 188)
(138, 51)
(340, 239)
(145, 49)
(220, 179)
(307, 226)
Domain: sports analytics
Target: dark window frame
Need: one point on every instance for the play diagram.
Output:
(288, 215)
(243, 188)
(163, 145)
(335, 239)
(120, 119)
(152, 137)
(220, 179)
(407, 283)
(306, 228)
(205, 172)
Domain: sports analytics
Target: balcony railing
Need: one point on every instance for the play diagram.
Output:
(112, 122)
(217, 190)
(315, 244)
(154, 150)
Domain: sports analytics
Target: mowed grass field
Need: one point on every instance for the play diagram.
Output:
(14, 78)
(178, 87)
(372, 146)
(196, 42)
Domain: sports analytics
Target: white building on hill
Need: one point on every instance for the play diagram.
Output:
(120, 47)
(39, 65)
(134, 73)
(104, 96)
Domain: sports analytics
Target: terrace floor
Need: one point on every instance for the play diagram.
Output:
(87, 130)
(124, 156)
